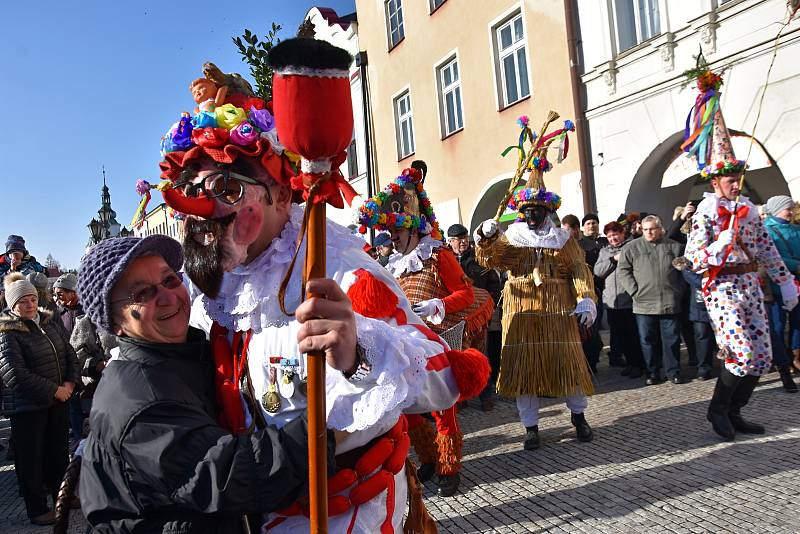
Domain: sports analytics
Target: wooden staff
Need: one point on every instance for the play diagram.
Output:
(314, 267)
(551, 117)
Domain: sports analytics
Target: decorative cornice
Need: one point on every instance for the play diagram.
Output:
(609, 71)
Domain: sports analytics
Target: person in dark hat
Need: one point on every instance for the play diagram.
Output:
(196, 475)
(491, 281)
(383, 245)
(17, 258)
(592, 243)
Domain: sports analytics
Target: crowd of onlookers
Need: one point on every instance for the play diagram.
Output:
(647, 298)
(51, 357)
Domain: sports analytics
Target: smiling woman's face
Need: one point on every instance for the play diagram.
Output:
(162, 319)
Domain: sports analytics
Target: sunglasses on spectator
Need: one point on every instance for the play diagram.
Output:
(149, 292)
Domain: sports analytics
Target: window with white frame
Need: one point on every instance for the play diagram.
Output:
(404, 125)
(636, 22)
(394, 21)
(510, 49)
(449, 84)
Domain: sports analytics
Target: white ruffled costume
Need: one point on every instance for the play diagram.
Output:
(400, 379)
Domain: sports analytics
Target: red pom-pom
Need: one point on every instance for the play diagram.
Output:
(362, 229)
(471, 370)
(371, 297)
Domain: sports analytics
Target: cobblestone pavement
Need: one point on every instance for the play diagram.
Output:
(654, 466)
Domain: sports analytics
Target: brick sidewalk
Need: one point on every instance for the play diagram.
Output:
(654, 466)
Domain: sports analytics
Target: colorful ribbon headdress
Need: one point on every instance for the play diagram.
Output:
(533, 160)
(706, 137)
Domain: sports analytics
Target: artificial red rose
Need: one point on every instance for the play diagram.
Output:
(210, 137)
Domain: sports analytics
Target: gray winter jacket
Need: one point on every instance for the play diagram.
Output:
(646, 273)
(34, 361)
(614, 295)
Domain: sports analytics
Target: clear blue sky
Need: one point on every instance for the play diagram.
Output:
(97, 82)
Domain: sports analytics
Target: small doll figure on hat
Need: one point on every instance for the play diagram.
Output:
(207, 95)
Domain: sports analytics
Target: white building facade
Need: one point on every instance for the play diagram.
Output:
(634, 54)
(342, 31)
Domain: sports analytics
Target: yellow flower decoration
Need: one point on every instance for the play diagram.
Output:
(229, 116)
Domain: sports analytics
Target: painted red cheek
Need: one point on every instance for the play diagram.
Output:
(247, 225)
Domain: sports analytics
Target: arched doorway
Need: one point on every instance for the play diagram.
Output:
(667, 178)
(489, 198)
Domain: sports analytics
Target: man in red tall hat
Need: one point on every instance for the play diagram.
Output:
(236, 185)
(727, 244)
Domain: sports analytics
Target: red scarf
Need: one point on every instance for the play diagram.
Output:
(726, 222)
(229, 368)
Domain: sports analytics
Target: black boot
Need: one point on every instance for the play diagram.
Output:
(720, 405)
(425, 472)
(531, 442)
(582, 428)
(739, 400)
(786, 379)
(448, 485)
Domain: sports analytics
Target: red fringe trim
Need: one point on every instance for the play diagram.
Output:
(450, 453)
(478, 320)
(371, 297)
(471, 370)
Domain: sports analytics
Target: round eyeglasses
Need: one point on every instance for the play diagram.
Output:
(225, 185)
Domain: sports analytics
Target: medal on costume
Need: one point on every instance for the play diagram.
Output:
(286, 384)
(271, 400)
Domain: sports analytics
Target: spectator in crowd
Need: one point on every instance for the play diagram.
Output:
(17, 258)
(636, 220)
(491, 281)
(681, 226)
(762, 212)
(592, 242)
(646, 272)
(39, 372)
(625, 346)
(70, 311)
(383, 247)
(703, 332)
(571, 223)
(786, 237)
(40, 282)
(93, 348)
(196, 476)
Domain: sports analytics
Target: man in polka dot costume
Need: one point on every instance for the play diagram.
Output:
(729, 259)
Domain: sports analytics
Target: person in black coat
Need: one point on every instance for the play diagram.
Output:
(157, 458)
(39, 371)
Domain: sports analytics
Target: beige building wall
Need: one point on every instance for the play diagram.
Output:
(462, 165)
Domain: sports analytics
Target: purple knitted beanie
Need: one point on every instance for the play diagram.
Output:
(105, 263)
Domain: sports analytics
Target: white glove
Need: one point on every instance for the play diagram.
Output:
(489, 228)
(789, 295)
(718, 247)
(586, 311)
(431, 310)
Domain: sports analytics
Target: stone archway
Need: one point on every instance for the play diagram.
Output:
(655, 190)
(489, 198)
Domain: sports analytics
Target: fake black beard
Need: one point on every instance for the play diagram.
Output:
(203, 263)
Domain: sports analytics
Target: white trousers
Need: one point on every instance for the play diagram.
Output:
(528, 407)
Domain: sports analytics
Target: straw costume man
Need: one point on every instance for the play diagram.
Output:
(549, 284)
(236, 185)
(440, 292)
(728, 243)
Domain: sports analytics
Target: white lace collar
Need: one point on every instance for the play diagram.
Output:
(518, 234)
(708, 206)
(400, 264)
(248, 298)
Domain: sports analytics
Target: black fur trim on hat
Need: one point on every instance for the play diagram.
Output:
(309, 53)
(421, 166)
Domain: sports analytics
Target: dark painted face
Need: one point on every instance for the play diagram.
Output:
(535, 216)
